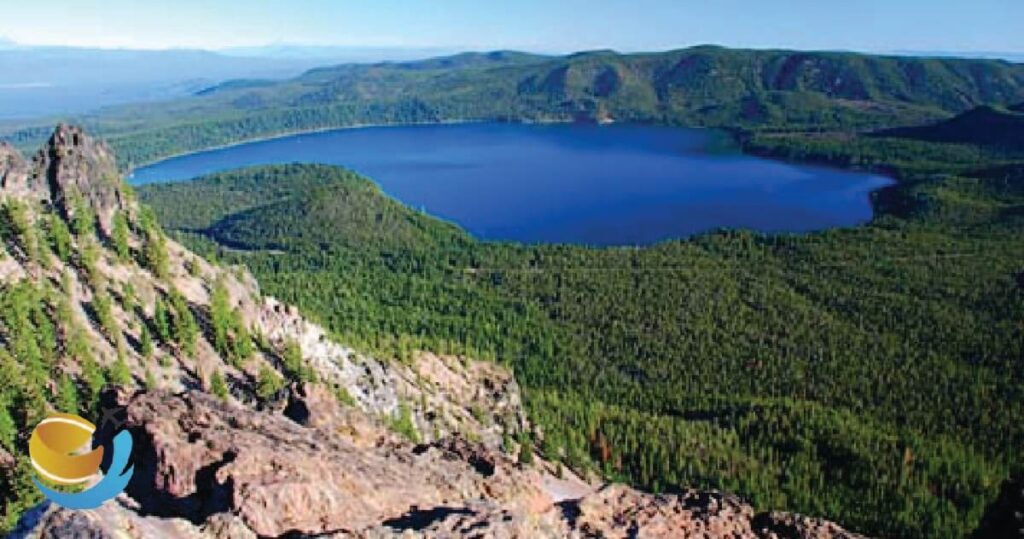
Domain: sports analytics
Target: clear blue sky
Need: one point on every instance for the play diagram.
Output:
(542, 25)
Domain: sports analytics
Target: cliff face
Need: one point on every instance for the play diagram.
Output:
(73, 166)
(248, 419)
(13, 171)
(70, 170)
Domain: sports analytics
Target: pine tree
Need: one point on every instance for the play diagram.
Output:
(183, 324)
(119, 373)
(295, 367)
(243, 346)
(60, 238)
(404, 425)
(268, 383)
(155, 253)
(67, 395)
(146, 342)
(103, 306)
(94, 378)
(83, 221)
(8, 429)
(525, 451)
(90, 255)
(221, 319)
(119, 236)
(19, 219)
(217, 385)
(161, 321)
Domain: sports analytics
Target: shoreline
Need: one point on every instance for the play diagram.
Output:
(286, 134)
(734, 141)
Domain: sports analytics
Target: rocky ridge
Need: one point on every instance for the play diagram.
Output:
(251, 421)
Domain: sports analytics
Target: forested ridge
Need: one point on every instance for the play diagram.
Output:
(758, 90)
(873, 376)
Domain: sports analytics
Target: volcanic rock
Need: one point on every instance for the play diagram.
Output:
(73, 165)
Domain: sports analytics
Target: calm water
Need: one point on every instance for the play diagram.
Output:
(610, 185)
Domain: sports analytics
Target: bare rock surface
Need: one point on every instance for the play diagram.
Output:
(198, 457)
(73, 165)
(786, 525)
(14, 172)
(444, 394)
(209, 469)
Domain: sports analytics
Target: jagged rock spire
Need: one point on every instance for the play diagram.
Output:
(73, 165)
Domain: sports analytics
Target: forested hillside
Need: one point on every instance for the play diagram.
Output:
(709, 86)
(248, 420)
(871, 375)
(985, 126)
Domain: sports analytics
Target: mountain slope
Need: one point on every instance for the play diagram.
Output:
(703, 86)
(248, 419)
(793, 369)
(122, 305)
(984, 126)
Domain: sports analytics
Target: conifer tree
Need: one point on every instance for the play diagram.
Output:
(119, 236)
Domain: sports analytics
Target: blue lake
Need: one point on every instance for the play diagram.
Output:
(597, 185)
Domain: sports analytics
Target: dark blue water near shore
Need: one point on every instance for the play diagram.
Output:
(610, 185)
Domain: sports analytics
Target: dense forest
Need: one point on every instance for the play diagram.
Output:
(874, 376)
(762, 90)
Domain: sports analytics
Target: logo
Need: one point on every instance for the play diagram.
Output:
(62, 453)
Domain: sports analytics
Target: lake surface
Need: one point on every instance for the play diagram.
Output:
(597, 185)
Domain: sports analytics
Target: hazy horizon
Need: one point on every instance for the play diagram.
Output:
(870, 26)
(298, 49)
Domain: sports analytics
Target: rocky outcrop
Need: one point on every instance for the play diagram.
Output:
(791, 526)
(69, 167)
(692, 514)
(114, 520)
(76, 165)
(13, 172)
(198, 457)
(205, 468)
(444, 394)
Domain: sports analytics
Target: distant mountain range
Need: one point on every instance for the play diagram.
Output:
(38, 81)
(337, 54)
(41, 81)
(711, 86)
(700, 86)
